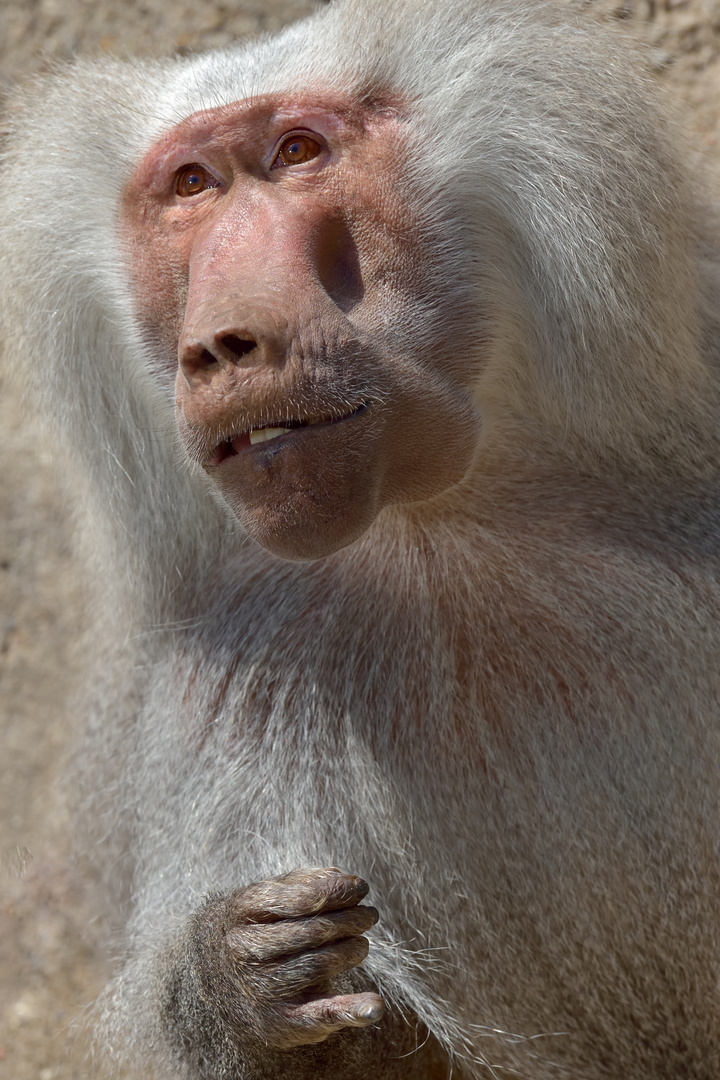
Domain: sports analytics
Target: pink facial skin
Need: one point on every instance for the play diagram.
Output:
(279, 268)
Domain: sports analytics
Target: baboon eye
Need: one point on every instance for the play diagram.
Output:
(192, 180)
(296, 149)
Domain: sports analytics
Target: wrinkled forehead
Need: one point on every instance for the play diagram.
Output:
(241, 120)
(244, 125)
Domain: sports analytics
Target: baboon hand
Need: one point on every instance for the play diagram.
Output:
(273, 948)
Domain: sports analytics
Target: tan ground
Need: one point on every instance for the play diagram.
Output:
(48, 971)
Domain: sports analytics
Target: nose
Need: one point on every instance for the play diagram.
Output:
(304, 274)
(204, 353)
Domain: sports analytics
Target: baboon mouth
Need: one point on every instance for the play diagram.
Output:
(251, 437)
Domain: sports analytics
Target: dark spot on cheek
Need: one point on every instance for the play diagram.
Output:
(338, 265)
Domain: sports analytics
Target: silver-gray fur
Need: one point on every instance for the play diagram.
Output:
(501, 708)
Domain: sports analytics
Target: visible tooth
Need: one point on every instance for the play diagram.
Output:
(266, 433)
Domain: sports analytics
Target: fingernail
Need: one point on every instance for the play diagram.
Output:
(370, 1012)
(361, 887)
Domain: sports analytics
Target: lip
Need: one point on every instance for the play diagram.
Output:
(239, 444)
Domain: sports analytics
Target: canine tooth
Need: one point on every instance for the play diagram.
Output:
(265, 434)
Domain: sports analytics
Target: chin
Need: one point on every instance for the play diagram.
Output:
(307, 493)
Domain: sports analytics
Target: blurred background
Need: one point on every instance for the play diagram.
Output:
(49, 967)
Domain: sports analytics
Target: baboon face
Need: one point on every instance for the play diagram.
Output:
(284, 271)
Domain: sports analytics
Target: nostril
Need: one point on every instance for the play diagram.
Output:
(194, 360)
(238, 346)
(228, 350)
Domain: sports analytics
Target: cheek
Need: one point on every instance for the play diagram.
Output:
(396, 251)
(159, 283)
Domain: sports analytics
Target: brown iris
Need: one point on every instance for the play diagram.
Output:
(192, 180)
(297, 149)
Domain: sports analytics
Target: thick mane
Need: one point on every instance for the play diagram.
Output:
(494, 693)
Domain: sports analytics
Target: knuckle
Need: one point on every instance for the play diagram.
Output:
(314, 965)
(258, 942)
(237, 939)
(366, 917)
(340, 955)
(357, 948)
